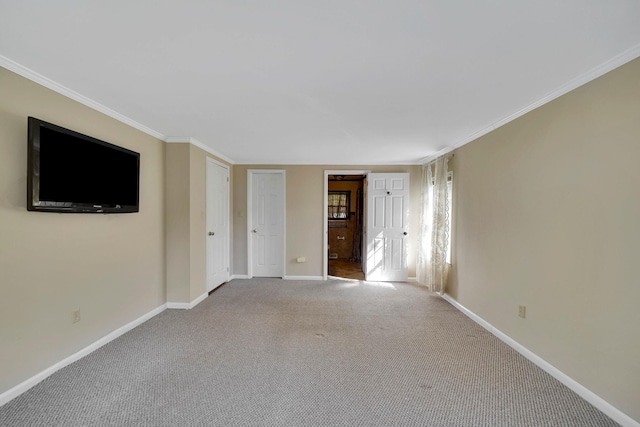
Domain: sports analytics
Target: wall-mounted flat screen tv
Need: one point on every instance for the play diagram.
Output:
(71, 172)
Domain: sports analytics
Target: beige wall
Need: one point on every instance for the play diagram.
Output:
(198, 203)
(305, 215)
(178, 223)
(546, 215)
(111, 267)
(186, 221)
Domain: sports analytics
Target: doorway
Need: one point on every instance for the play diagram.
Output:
(344, 224)
(385, 209)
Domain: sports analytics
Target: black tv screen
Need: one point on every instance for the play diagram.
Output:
(72, 172)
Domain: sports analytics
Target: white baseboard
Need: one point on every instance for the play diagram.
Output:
(604, 406)
(245, 276)
(412, 280)
(187, 305)
(26, 385)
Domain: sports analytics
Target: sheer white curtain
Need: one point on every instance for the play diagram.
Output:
(432, 266)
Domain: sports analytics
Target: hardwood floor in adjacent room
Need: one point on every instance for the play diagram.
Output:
(345, 269)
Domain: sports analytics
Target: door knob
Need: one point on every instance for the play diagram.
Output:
(211, 233)
(254, 231)
(405, 233)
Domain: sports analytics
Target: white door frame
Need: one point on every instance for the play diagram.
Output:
(325, 234)
(250, 173)
(227, 213)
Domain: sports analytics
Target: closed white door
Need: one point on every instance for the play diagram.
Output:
(217, 221)
(266, 223)
(387, 227)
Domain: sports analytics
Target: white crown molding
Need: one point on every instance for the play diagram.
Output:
(315, 163)
(435, 155)
(604, 406)
(193, 141)
(26, 385)
(613, 63)
(69, 93)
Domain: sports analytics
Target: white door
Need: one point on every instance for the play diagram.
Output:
(266, 200)
(217, 221)
(386, 236)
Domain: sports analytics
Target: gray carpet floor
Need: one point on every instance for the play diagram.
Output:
(267, 352)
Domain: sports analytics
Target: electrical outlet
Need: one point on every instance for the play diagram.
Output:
(76, 316)
(522, 311)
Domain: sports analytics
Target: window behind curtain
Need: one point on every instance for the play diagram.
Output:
(338, 205)
(449, 211)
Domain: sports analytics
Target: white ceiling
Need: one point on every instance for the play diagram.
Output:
(322, 82)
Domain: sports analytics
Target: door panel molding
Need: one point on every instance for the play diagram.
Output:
(268, 214)
(386, 227)
(217, 222)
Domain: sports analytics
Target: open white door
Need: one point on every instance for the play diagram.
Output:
(217, 221)
(266, 207)
(386, 224)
